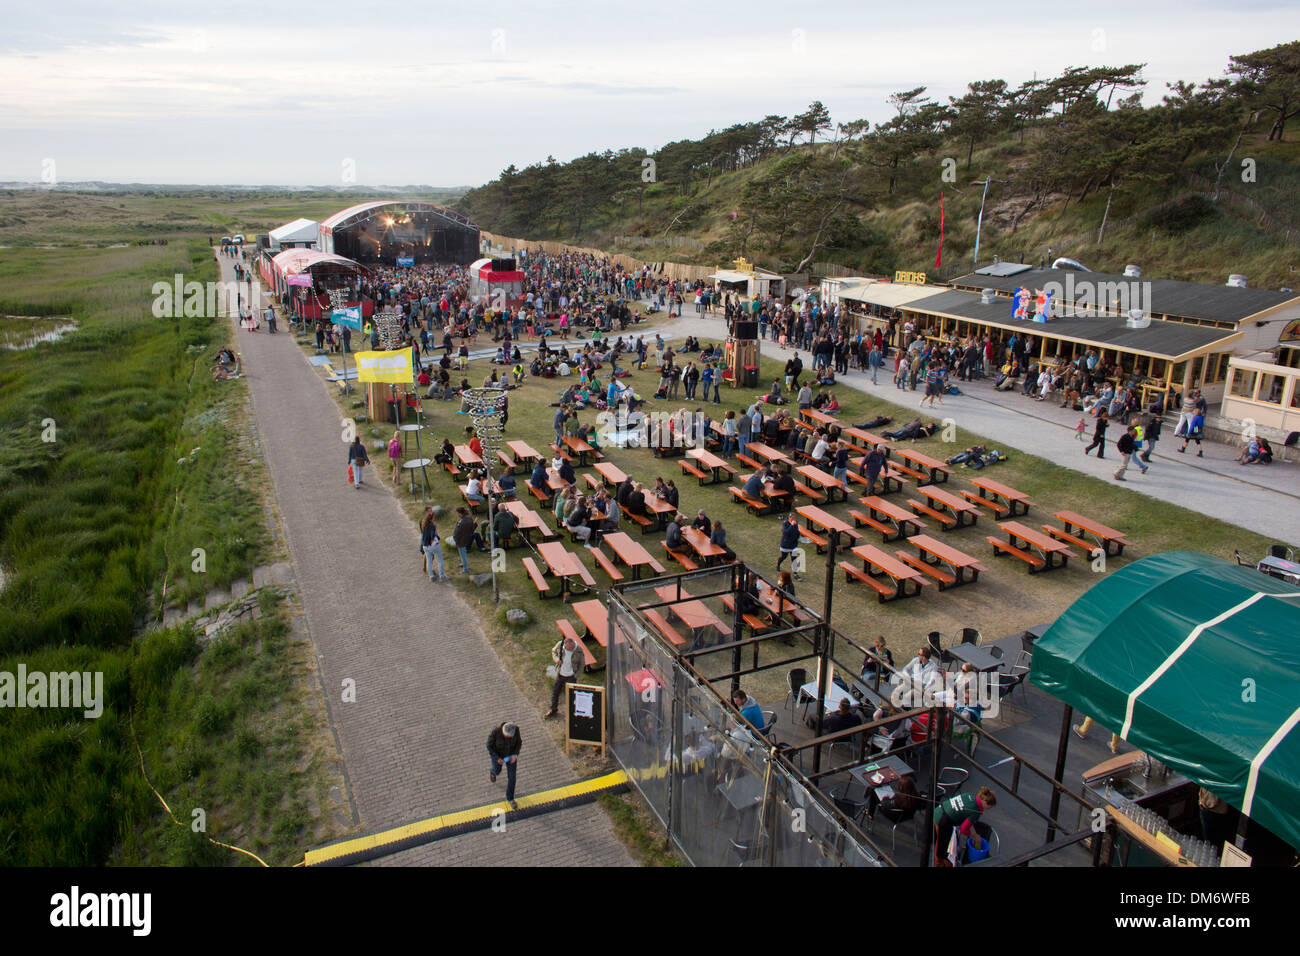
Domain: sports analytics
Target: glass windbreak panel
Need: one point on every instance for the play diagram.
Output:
(1270, 388)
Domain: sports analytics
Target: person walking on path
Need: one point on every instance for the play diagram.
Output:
(1152, 435)
(463, 536)
(431, 545)
(568, 660)
(1194, 429)
(875, 360)
(503, 749)
(358, 459)
(1127, 446)
(1099, 436)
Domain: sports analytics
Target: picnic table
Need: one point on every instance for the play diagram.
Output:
(944, 563)
(709, 460)
(995, 494)
(938, 471)
(465, 455)
(906, 581)
(701, 545)
(1104, 536)
(827, 522)
(945, 507)
(889, 519)
(580, 448)
(694, 614)
(1036, 549)
(522, 451)
(595, 618)
(611, 472)
(767, 452)
(820, 417)
(828, 483)
(554, 481)
(628, 552)
(662, 510)
(870, 439)
(564, 564)
(527, 520)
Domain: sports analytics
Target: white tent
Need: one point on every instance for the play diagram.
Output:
(301, 233)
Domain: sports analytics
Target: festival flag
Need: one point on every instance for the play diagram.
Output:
(394, 367)
(939, 255)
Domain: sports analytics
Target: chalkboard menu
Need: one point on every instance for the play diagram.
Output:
(585, 715)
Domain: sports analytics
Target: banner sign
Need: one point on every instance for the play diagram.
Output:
(392, 367)
(298, 278)
(349, 316)
(406, 260)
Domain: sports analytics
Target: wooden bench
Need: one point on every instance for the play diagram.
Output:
(920, 507)
(539, 580)
(755, 507)
(451, 468)
(595, 482)
(817, 497)
(607, 565)
(815, 538)
(853, 571)
(690, 469)
(1088, 546)
(568, 630)
(680, 558)
(508, 463)
(860, 519)
(1000, 547)
(920, 477)
(939, 574)
(998, 509)
(663, 627)
(860, 479)
(752, 621)
(645, 523)
(563, 452)
(473, 505)
(543, 496)
(756, 465)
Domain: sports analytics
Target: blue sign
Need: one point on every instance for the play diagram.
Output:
(406, 260)
(349, 316)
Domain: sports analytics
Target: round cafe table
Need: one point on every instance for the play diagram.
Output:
(422, 464)
(406, 431)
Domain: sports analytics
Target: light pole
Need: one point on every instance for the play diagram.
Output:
(486, 408)
(980, 221)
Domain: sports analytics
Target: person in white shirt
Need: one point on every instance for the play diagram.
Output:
(820, 449)
(920, 670)
(568, 658)
(474, 490)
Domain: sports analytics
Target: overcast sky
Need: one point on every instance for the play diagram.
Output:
(450, 94)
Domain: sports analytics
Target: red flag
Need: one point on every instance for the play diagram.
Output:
(938, 257)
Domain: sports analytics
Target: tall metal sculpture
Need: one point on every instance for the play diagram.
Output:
(486, 409)
(337, 298)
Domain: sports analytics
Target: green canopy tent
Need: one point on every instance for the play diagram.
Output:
(1195, 661)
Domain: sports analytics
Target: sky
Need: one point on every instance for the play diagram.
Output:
(335, 94)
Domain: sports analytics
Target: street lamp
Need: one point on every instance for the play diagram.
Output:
(980, 221)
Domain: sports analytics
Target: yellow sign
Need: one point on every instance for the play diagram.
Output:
(911, 278)
(1291, 333)
(743, 265)
(393, 367)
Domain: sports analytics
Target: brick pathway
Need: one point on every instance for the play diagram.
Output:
(429, 688)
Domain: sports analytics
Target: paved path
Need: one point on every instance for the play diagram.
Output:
(1261, 498)
(429, 688)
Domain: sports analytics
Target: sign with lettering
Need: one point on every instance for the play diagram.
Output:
(910, 278)
(584, 714)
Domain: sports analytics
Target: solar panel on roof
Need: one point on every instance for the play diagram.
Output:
(1003, 269)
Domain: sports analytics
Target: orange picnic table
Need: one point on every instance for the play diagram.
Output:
(820, 417)
(889, 519)
(611, 472)
(465, 455)
(870, 439)
(692, 613)
(527, 520)
(828, 483)
(1104, 536)
(564, 564)
(886, 477)
(580, 448)
(1036, 549)
(709, 460)
(522, 451)
(945, 564)
(993, 494)
(946, 508)
(628, 552)
(595, 618)
(876, 564)
(938, 470)
(827, 522)
(767, 452)
(700, 543)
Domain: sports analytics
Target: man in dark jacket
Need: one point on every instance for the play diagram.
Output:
(872, 463)
(673, 536)
(463, 536)
(358, 459)
(503, 746)
(567, 473)
(789, 542)
(1126, 445)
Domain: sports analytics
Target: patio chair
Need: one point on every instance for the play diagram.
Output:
(968, 635)
(769, 722)
(951, 779)
(796, 678)
(914, 816)
(935, 640)
(847, 805)
(1007, 683)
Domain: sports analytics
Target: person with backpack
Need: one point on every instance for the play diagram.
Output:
(357, 460)
(1195, 426)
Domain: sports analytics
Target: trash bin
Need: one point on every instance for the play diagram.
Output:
(750, 377)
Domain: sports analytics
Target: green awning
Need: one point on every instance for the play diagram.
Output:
(1195, 661)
